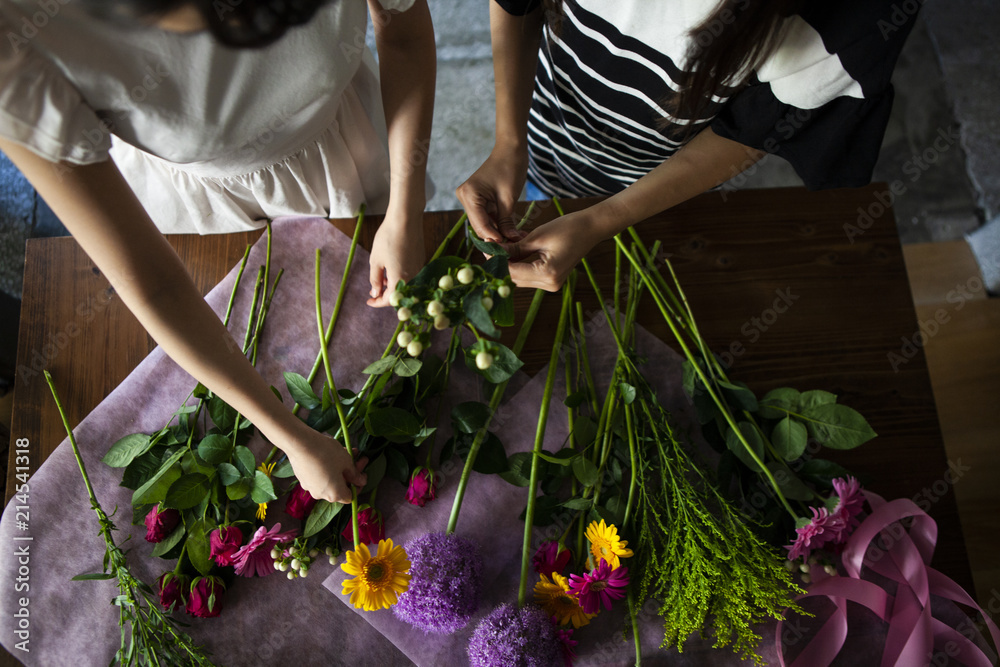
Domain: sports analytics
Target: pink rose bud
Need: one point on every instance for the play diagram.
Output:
(371, 528)
(224, 543)
(205, 600)
(171, 588)
(299, 503)
(160, 524)
(423, 487)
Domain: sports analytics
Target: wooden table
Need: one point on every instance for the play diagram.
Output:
(773, 276)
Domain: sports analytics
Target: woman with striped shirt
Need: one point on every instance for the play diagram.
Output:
(655, 101)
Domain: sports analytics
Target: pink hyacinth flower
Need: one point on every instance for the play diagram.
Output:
(599, 586)
(254, 558)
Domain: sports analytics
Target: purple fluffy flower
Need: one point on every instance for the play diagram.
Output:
(511, 637)
(446, 573)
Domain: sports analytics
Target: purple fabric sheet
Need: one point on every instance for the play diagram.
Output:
(273, 621)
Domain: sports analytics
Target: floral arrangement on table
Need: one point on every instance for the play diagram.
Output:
(708, 551)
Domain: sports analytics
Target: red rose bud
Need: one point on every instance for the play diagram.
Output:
(160, 524)
(371, 528)
(423, 487)
(171, 588)
(205, 600)
(299, 503)
(224, 543)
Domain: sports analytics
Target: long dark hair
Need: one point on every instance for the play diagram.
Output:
(235, 23)
(725, 49)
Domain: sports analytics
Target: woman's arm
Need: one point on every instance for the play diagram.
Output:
(488, 195)
(104, 216)
(407, 64)
(704, 162)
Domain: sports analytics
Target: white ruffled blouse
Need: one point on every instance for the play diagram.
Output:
(211, 139)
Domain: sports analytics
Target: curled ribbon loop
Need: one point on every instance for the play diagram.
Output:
(884, 546)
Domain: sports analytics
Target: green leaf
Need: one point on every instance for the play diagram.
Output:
(274, 390)
(424, 433)
(322, 514)
(187, 491)
(93, 576)
(283, 470)
(263, 489)
(155, 490)
(790, 437)
(393, 424)
(778, 402)
(197, 546)
(381, 366)
(616, 507)
(301, 392)
(125, 450)
(488, 247)
(823, 472)
(545, 510)
(396, 466)
(584, 431)
(492, 459)
(430, 274)
(579, 503)
(407, 367)
(170, 541)
(739, 449)
(575, 400)
(503, 311)
(791, 486)
(200, 391)
(480, 318)
(585, 471)
(497, 266)
(239, 489)
(245, 460)
(505, 364)
(518, 469)
(739, 397)
(221, 413)
(627, 392)
(810, 399)
(470, 416)
(228, 474)
(140, 470)
(215, 449)
(838, 426)
(375, 472)
(558, 460)
(689, 378)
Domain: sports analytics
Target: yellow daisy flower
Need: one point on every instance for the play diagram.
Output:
(378, 579)
(267, 469)
(605, 545)
(557, 600)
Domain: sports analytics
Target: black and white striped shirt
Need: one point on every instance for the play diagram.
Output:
(821, 101)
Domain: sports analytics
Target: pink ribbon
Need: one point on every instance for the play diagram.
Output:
(904, 557)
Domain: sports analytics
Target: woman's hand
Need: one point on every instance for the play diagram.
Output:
(488, 196)
(397, 254)
(557, 247)
(323, 466)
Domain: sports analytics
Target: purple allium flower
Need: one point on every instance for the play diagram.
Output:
(446, 573)
(510, 637)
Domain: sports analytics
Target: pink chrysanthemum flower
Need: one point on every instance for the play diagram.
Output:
(849, 506)
(599, 586)
(549, 558)
(823, 528)
(254, 558)
(565, 637)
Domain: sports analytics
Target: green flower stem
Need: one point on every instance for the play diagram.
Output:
(543, 416)
(345, 435)
(634, 620)
(253, 309)
(633, 465)
(232, 295)
(584, 359)
(267, 278)
(618, 282)
(498, 391)
(701, 374)
(265, 307)
(527, 215)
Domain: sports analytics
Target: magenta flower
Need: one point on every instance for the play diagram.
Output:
(423, 487)
(824, 528)
(160, 524)
(599, 586)
(371, 527)
(565, 637)
(299, 503)
(254, 559)
(172, 589)
(849, 506)
(549, 558)
(205, 600)
(224, 543)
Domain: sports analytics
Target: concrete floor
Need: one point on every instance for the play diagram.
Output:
(948, 78)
